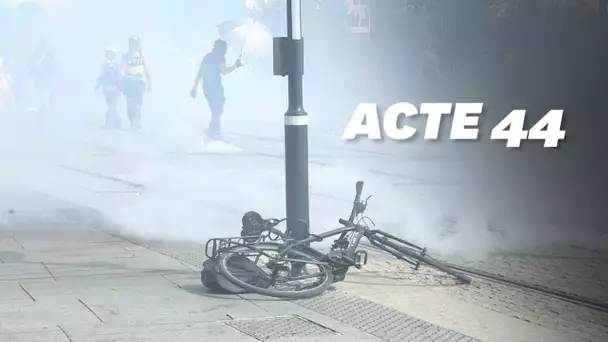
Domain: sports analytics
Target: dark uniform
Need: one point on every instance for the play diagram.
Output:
(134, 82)
(108, 81)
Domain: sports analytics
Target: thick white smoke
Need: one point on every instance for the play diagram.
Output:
(189, 193)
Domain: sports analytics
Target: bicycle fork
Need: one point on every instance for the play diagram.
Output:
(359, 257)
(384, 242)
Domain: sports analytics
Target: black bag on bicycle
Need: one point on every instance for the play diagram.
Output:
(253, 226)
(216, 282)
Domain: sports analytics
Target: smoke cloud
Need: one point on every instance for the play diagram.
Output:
(161, 183)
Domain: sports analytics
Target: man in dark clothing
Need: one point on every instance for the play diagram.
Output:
(210, 72)
(44, 69)
(108, 81)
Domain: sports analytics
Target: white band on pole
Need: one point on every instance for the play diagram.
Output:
(296, 19)
(301, 120)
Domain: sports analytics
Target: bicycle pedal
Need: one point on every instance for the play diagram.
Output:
(360, 259)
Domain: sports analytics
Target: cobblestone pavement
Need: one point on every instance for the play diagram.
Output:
(536, 308)
(578, 275)
(64, 278)
(528, 306)
(585, 276)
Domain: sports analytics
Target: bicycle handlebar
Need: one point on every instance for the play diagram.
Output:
(353, 213)
(359, 188)
(343, 222)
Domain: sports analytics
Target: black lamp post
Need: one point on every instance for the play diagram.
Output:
(289, 61)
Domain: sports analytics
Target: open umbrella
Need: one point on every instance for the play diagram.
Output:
(249, 36)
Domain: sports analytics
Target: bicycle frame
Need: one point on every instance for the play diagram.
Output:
(302, 244)
(389, 243)
(397, 247)
(320, 237)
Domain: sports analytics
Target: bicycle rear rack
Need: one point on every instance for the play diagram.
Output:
(215, 246)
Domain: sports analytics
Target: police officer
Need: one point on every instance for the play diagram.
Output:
(108, 82)
(134, 81)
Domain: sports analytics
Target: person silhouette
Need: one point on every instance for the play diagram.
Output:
(210, 72)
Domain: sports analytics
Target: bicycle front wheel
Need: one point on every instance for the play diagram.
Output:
(258, 268)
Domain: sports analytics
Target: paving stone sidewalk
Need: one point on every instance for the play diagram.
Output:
(69, 277)
(62, 280)
(426, 292)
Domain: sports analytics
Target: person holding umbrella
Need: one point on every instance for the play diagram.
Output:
(210, 72)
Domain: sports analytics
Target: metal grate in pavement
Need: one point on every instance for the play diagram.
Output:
(278, 328)
(372, 318)
(378, 320)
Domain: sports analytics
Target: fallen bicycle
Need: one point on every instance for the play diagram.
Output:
(267, 261)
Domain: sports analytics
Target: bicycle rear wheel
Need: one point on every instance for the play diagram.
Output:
(401, 251)
(256, 268)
